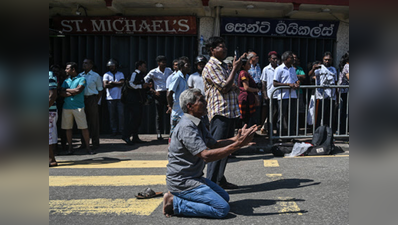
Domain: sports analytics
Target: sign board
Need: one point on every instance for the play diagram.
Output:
(279, 27)
(126, 25)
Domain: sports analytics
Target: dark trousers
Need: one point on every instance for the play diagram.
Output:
(161, 108)
(92, 116)
(343, 113)
(132, 119)
(284, 119)
(327, 113)
(220, 128)
(115, 108)
(274, 113)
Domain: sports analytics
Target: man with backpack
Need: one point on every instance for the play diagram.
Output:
(134, 103)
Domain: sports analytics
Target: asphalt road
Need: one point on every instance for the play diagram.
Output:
(100, 189)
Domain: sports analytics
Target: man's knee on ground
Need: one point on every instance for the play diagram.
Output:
(222, 211)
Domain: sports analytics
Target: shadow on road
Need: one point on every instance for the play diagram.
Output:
(246, 207)
(97, 161)
(273, 185)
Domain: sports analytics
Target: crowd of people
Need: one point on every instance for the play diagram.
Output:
(205, 109)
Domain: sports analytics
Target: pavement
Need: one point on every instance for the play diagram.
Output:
(101, 188)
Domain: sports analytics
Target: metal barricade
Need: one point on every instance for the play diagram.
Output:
(334, 113)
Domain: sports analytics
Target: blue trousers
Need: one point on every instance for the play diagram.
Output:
(207, 200)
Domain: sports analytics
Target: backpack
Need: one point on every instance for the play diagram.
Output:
(124, 90)
(322, 142)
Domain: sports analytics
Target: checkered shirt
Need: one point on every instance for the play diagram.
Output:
(215, 75)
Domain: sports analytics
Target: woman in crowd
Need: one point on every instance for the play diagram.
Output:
(248, 97)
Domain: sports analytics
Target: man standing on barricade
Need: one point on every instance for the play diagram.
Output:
(267, 78)
(159, 76)
(285, 75)
(324, 74)
(191, 146)
(222, 99)
(178, 84)
(92, 95)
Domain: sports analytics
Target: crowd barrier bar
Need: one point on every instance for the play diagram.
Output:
(306, 134)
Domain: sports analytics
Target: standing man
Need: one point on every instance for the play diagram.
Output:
(195, 80)
(301, 93)
(175, 69)
(178, 84)
(159, 76)
(135, 100)
(222, 99)
(113, 81)
(255, 72)
(53, 117)
(285, 75)
(267, 78)
(324, 74)
(92, 95)
(72, 90)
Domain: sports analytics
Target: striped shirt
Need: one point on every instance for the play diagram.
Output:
(215, 75)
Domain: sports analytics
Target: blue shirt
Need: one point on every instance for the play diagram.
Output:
(255, 71)
(178, 84)
(76, 101)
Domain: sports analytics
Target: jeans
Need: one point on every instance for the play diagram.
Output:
(207, 200)
(220, 128)
(115, 108)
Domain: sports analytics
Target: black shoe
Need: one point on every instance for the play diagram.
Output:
(229, 186)
(160, 137)
(127, 140)
(137, 140)
(70, 152)
(91, 152)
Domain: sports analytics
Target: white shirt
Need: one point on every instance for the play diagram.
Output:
(268, 76)
(94, 84)
(131, 81)
(325, 76)
(286, 75)
(196, 81)
(159, 78)
(115, 92)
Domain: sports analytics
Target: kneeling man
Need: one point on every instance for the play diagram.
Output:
(191, 146)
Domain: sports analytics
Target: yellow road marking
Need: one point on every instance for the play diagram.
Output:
(287, 205)
(316, 156)
(113, 164)
(274, 177)
(271, 163)
(105, 206)
(137, 180)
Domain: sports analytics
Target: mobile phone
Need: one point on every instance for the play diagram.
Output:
(237, 52)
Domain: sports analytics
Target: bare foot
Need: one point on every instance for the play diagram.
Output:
(168, 204)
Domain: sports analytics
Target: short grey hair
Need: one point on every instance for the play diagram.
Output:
(188, 96)
(286, 55)
(250, 55)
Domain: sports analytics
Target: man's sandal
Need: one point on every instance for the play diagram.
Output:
(148, 193)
